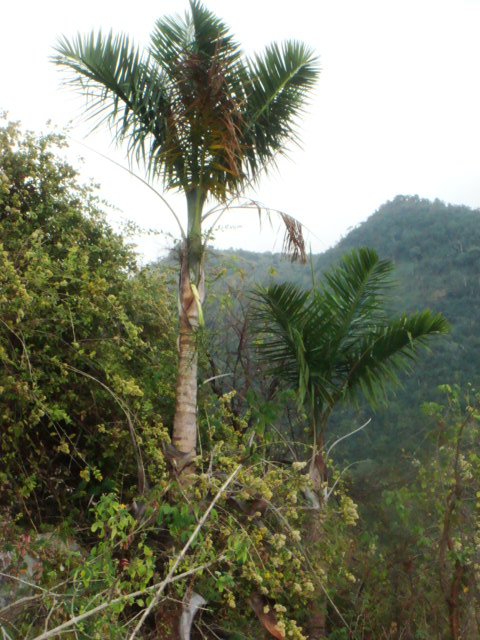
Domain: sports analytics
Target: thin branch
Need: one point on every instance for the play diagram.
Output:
(19, 603)
(105, 605)
(329, 493)
(28, 584)
(347, 435)
(142, 481)
(221, 375)
(142, 180)
(285, 441)
(180, 556)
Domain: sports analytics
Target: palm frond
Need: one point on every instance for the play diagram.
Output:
(388, 350)
(337, 340)
(207, 77)
(281, 305)
(199, 33)
(191, 107)
(279, 83)
(358, 286)
(291, 333)
(278, 317)
(293, 240)
(126, 90)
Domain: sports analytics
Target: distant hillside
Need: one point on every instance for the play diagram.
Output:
(436, 250)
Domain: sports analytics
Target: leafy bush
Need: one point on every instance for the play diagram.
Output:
(86, 340)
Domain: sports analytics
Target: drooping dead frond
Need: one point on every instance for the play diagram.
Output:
(293, 241)
(207, 110)
(293, 246)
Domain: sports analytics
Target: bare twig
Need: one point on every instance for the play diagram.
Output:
(134, 175)
(180, 556)
(347, 435)
(106, 605)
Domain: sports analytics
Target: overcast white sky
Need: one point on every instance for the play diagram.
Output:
(396, 109)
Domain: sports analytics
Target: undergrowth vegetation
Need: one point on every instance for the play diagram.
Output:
(102, 536)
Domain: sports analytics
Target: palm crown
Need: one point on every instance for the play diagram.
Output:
(191, 106)
(338, 339)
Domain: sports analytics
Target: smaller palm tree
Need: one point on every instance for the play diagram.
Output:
(337, 341)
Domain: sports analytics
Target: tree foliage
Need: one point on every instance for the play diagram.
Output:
(86, 341)
(420, 560)
(338, 339)
(83, 347)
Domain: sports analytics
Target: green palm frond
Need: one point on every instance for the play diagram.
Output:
(280, 81)
(389, 350)
(288, 327)
(192, 108)
(126, 90)
(338, 340)
(354, 294)
(199, 33)
(358, 285)
(207, 79)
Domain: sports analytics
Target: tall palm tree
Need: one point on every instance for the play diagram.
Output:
(204, 119)
(338, 341)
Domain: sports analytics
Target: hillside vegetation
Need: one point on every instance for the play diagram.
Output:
(436, 251)
(435, 248)
(101, 535)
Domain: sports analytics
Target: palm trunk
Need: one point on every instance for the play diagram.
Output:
(184, 434)
(185, 421)
(316, 622)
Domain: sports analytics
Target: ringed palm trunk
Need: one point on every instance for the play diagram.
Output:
(191, 272)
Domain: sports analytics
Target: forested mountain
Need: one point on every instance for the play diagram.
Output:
(436, 251)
